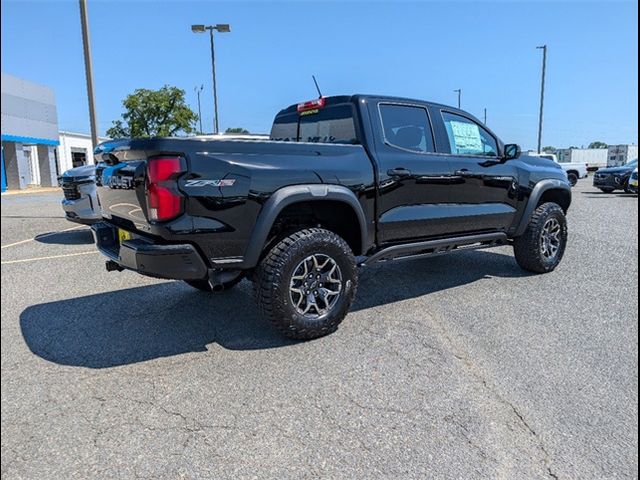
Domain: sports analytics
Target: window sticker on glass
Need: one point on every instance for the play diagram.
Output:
(466, 137)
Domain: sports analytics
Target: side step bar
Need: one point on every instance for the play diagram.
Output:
(435, 247)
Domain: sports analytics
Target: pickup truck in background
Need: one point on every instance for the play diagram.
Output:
(80, 203)
(574, 171)
(344, 182)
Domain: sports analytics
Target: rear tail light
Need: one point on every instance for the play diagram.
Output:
(163, 198)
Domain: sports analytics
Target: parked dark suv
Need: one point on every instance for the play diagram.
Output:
(343, 183)
(615, 178)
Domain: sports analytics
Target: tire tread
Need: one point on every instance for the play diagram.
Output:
(269, 278)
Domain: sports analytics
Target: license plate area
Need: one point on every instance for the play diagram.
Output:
(123, 236)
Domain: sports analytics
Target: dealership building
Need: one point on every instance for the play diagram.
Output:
(34, 151)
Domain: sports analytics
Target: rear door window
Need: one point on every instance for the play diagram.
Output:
(407, 127)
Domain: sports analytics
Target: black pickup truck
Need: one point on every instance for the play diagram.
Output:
(342, 183)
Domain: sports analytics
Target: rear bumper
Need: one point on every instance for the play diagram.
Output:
(179, 262)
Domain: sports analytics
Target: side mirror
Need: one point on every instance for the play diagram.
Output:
(512, 151)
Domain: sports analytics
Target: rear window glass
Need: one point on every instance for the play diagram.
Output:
(332, 124)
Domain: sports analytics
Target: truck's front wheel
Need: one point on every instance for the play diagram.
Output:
(543, 244)
(306, 283)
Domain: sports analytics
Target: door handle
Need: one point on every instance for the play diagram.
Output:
(399, 172)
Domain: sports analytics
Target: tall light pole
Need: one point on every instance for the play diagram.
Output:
(198, 90)
(88, 67)
(459, 92)
(485, 116)
(544, 73)
(221, 28)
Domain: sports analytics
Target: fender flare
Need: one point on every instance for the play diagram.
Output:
(286, 196)
(536, 194)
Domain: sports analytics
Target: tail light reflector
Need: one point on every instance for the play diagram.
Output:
(163, 198)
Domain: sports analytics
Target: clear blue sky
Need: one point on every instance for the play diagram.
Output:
(423, 50)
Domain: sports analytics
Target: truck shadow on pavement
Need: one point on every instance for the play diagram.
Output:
(165, 319)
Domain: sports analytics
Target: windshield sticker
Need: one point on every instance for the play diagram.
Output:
(467, 137)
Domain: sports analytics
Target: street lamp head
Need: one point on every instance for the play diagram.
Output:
(198, 28)
(223, 27)
(541, 47)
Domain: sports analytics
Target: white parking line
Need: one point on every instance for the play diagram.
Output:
(40, 236)
(8, 262)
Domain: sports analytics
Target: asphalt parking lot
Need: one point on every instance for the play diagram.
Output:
(460, 366)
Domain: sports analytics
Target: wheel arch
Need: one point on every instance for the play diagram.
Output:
(296, 195)
(555, 191)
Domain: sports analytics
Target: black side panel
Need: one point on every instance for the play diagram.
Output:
(300, 193)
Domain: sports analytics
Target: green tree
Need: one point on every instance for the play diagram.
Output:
(237, 131)
(549, 149)
(598, 144)
(154, 113)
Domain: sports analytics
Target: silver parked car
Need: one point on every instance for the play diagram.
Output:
(80, 202)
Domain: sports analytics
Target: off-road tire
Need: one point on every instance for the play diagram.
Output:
(204, 286)
(273, 279)
(527, 248)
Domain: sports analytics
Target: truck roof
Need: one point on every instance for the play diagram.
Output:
(336, 99)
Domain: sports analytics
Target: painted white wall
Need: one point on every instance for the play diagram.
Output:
(71, 141)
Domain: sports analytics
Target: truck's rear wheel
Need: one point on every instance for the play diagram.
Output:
(306, 283)
(544, 242)
(573, 178)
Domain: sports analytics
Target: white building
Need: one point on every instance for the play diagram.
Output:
(593, 157)
(34, 151)
(29, 128)
(74, 150)
(621, 154)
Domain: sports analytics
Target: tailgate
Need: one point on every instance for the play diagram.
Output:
(121, 191)
(137, 182)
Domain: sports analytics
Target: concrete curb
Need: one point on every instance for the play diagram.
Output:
(29, 191)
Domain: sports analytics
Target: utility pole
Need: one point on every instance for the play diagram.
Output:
(221, 28)
(216, 128)
(88, 66)
(544, 73)
(459, 92)
(485, 116)
(198, 90)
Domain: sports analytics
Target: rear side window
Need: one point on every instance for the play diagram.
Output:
(466, 137)
(331, 124)
(407, 127)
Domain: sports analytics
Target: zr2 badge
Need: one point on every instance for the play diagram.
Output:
(224, 182)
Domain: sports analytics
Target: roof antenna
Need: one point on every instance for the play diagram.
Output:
(317, 87)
